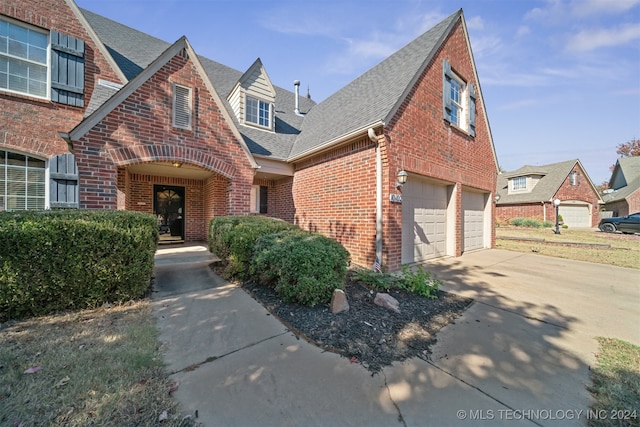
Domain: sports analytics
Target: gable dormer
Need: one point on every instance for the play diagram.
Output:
(253, 98)
(524, 181)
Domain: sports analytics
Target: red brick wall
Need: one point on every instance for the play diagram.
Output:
(31, 125)
(140, 130)
(281, 204)
(505, 213)
(334, 194)
(420, 141)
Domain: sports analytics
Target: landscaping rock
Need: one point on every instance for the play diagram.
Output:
(387, 301)
(339, 302)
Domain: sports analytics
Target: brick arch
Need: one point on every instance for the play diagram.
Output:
(154, 153)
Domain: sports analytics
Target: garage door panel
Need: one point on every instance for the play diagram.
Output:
(575, 215)
(473, 220)
(423, 221)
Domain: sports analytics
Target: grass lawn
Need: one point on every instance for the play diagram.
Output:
(94, 367)
(623, 250)
(616, 384)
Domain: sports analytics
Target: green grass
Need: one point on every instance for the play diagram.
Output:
(624, 250)
(97, 367)
(616, 384)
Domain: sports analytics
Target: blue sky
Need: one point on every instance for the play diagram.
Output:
(560, 78)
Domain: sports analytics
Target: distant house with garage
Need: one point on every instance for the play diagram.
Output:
(99, 115)
(623, 196)
(529, 192)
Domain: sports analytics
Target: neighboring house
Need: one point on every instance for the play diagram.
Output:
(529, 192)
(98, 115)
(623, 196)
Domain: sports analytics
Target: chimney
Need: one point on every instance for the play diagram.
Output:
(296, 83)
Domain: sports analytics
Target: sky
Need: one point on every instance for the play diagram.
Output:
(560, 78)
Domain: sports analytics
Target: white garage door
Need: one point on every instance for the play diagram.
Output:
(473, 220)
(424, 221)
(576, 215)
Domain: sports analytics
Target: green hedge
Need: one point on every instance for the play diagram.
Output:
(58, 260)
(304, 267)
(232, 238)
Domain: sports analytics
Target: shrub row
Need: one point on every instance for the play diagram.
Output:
(531, 222)
(58, 260)
(303, 267)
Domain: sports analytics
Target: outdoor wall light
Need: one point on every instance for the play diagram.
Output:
(177, 164)
(402, 178)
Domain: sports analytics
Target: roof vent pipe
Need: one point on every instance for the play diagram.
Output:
(296, 83)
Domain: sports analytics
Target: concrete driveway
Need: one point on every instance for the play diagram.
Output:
(519, 355)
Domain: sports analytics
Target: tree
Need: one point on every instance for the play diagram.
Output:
(629, 148)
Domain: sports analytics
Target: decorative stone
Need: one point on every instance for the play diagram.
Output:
(339, 301)
(387, 301)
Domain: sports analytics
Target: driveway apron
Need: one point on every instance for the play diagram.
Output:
(520, 355)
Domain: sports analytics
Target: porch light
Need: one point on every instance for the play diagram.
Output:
(402, 178)
(177, 164)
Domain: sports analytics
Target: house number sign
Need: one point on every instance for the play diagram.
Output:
(396, 198)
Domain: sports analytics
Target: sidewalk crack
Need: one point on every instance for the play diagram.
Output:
(400, 417)
(210, 359)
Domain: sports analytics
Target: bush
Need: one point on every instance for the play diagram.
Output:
(547, 224)
(232, 239)
(58, 260)
(420, 282)
(375, 280)
(303, 267)
(526, 222)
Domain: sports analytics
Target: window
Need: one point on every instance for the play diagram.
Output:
(181, 107)
(22, 182)
(23, 60)
(519, 183)
(574, 178)
(258, 199)
(29, 67)
(258, 112)
(458, 100)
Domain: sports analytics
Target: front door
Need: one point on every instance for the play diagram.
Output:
(169, 210)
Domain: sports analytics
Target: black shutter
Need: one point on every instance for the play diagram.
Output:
(446, 90)
(67, 69)
(472, 110)
(63, 181)
(263, 199)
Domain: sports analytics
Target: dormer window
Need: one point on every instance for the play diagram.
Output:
(519, 183)
(258, 112)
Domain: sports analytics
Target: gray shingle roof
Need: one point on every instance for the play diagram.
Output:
(625, 179)
(544, 190)
(371, 98)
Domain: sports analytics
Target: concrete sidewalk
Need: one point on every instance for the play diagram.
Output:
(519, 354)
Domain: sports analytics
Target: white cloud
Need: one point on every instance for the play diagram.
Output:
(475, 23)
(588, 40)
(584, 8)
(522, 103)
(522, 31)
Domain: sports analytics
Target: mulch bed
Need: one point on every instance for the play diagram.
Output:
(367, 334)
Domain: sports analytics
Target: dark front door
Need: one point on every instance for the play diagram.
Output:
(169, 210)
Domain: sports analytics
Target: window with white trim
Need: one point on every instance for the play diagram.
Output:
(258, 199)
(574, 178)
(458, 100)
(258, 112)
(181, 106)
(23, 60)
(519, 183)
(22, 182)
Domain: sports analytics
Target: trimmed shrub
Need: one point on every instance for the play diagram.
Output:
(547, 224)
(526, 222)
(303, 267)
(232, 239)
(58, 260)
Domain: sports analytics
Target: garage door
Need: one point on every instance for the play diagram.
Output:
(576, 215)
(424, 221)
(473, 220)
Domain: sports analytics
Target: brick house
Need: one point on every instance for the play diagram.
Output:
(112, 118)
(623, 196)
(529, 192)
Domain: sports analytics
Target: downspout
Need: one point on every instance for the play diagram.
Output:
(374, 138)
